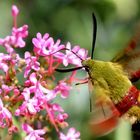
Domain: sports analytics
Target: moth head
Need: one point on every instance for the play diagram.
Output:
(88, 64)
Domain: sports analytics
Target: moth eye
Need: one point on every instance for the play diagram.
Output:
(87, 68)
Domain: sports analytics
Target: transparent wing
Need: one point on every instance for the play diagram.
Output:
(104, 115)
(129, 57)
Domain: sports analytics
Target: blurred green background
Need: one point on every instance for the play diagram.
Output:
(71, 20)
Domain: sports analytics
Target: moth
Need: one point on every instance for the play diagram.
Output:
(113, 94)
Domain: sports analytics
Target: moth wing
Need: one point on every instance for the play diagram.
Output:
(129, 57)
(104, 115)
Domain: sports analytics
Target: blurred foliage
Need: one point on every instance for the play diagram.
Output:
(71, 20)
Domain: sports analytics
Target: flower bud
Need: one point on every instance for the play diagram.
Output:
(15, 11)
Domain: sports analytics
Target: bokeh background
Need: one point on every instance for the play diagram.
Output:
(71, 20)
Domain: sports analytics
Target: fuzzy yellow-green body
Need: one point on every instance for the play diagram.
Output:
(109, 79)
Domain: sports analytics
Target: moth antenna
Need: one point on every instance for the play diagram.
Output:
(94, 34)
(58, 51)
(68, 50)
(77, 55)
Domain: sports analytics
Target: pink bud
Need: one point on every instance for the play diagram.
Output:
(15, 10)
(16, 92)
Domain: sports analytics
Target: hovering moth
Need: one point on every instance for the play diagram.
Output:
(113, 94)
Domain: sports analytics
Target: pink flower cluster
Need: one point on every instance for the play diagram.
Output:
(15, 40)
(33, 100)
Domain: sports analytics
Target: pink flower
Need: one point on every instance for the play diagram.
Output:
(36, 86)
(18, 34)
(63, 88)
(33, 134)
(5, 116)
(44, 46)
(12, 129)
(71, 135)
(57, 113)
(80, 54)
(16, 39)
(61, 117)
(41, 93)
(57, 107)
(30, 103)
(30, 106)
(73, 56)
(31, 63)
(37, 97)
(34, 97)
(6, 89)
(54, 111)
(5, 42)
(4, 58)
